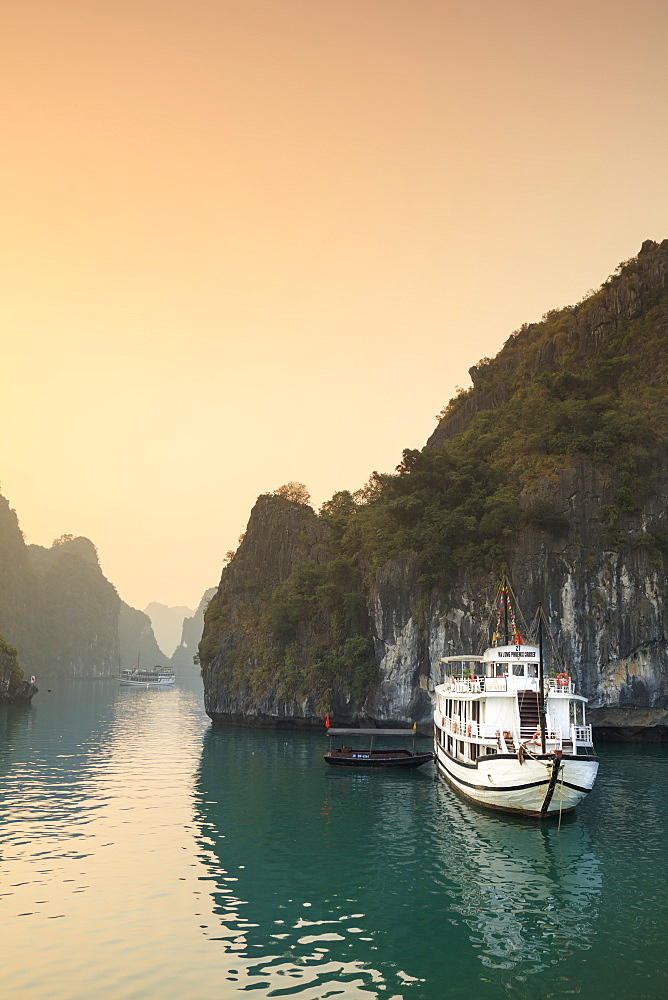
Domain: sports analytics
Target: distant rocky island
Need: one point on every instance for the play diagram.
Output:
(554, 465)
(167, 622)
(61, 618)
(60, 614)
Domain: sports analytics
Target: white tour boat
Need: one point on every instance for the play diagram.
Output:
(148, 677)
(506, 736)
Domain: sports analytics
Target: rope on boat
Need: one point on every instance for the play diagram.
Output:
(561, 797)
(528, 753)
(521, 625)
(557, 766)
(533, 632)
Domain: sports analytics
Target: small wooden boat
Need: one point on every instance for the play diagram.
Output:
(370, 756)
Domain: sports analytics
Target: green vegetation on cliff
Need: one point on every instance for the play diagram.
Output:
(571, 390)
(299, 631)
(318, 625)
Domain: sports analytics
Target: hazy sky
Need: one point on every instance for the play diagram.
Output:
(250, 241)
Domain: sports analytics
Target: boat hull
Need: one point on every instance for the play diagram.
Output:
(161, 683)
(501, 782)
(377, 759)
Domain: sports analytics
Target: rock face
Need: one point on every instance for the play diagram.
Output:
(607, 610)
(601, 578)
(61, 613)
(402, 645)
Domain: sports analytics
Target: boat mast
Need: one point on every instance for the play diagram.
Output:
(541, 696)
(505, 611)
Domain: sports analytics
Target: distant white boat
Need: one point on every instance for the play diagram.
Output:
(506, 736)
(147, 677)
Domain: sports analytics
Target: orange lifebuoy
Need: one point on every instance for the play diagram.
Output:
(468, 730)
(442, 721)
(536, 738)
(563, 680)
(454, 727)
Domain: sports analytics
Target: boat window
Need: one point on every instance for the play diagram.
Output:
(532, 670)
(518, 669)
(498, 672)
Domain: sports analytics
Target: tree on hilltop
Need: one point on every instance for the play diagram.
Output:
(296, 492)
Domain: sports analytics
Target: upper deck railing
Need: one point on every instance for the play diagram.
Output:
(510, 740)
(507, 684)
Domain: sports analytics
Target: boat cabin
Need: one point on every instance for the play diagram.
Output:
(491, 703)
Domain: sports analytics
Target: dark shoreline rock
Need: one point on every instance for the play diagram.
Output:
(299, 724)
(21, 695)
(629, 725)
(260, 721)
(632, 728)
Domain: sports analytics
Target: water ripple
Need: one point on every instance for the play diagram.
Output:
(187, 856)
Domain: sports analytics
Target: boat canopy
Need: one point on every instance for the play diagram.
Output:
(372, 732)
(461, 659)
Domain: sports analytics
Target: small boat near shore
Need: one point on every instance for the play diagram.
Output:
(148, 677)
(505, 735)
(371, 756)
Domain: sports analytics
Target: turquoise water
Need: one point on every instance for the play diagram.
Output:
(146, 854)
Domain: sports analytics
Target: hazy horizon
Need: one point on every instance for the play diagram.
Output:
(248, 243)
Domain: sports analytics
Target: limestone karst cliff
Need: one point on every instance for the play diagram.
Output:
(59, 611)
(273, 651)
(186, 654)
(554, 464)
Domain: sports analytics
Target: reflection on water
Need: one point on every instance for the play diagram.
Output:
(388, 869)
(289, 866)
(146, 854)
(528, 894)
(97, 857)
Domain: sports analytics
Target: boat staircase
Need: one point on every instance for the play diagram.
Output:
(527, 702)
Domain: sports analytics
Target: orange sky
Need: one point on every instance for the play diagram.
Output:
(250, 241)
